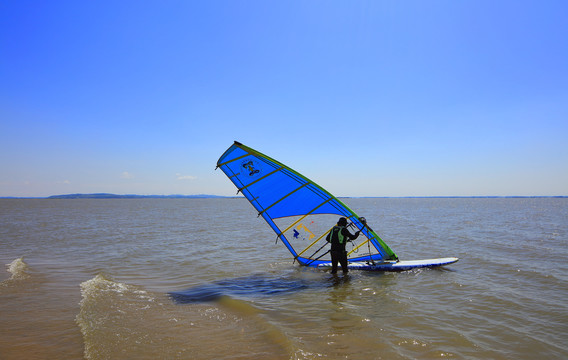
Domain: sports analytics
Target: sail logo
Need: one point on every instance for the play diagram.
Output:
(251, 167)
(302, 232)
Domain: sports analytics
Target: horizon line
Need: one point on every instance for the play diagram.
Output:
(111, 195)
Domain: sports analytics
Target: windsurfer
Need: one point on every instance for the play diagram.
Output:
(338, 237)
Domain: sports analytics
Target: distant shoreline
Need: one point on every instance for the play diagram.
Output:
(116, 196)
(207, 196)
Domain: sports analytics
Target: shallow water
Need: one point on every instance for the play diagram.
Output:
(203, 278)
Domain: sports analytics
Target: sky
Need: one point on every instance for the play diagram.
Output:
(365, 98)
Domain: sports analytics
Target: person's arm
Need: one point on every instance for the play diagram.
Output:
(350, 236)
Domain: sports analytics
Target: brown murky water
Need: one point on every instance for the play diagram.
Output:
(95, 278)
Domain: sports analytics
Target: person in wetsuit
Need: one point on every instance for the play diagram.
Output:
(338, 237)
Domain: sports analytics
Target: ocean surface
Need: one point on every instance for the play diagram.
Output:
(204, 279)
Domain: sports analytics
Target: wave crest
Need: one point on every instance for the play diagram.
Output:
(19, 270)
(106, 311)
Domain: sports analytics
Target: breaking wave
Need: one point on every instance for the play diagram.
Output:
(106, 309)
(19, 270)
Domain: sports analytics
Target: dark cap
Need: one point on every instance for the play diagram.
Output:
(342, 221)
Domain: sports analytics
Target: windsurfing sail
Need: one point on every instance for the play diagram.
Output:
(300, 212)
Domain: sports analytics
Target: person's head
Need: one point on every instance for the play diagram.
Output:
(342, 222)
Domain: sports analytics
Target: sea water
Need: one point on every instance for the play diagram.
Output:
(205, 279)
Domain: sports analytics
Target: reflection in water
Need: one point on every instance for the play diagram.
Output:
(257, 286)
(243, 287)
(339, 280)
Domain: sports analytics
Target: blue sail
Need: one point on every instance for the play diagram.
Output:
(300, 212)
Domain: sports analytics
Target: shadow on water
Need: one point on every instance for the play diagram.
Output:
(254, 286)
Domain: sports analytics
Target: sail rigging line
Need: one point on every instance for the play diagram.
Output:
(310, 258)
(303, 217)
(326, 243)
(282, 198)
(235, 159)
(353, 245)
(369, 247)
(259, 179)
(313, 243)
(360, 245)
(377, 238)
(252, 199)
(318, 239)
(319, 257)
(365, 226)
(317, 251)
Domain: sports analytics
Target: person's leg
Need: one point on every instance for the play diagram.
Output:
(334, 260)
(343, 261)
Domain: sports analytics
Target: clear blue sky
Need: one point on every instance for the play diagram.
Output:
(366, 98)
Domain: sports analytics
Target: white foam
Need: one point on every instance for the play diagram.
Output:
(19, 269)
(100, 285)
(109, 315)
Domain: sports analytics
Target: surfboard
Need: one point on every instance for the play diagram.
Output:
(402, 265)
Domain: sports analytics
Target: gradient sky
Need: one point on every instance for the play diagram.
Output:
(366, 98)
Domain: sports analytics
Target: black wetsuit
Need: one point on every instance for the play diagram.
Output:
(338, 253)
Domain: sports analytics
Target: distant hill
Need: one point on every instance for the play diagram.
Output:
(115, 196)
